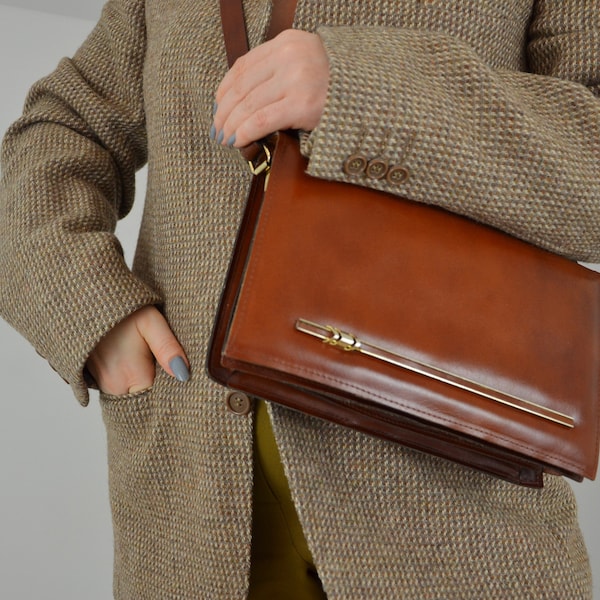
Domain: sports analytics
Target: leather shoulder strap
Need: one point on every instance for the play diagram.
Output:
(282, 17)
(234, 24)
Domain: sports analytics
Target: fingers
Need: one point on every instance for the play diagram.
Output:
(122, 363)
(124, 360)
(280, 84)
(161, 341)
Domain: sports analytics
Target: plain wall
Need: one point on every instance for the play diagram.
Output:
(81, 9)
(55, 529)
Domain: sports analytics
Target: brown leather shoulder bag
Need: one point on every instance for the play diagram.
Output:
(410, 323)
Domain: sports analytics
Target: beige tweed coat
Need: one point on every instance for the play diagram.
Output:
(493, 107)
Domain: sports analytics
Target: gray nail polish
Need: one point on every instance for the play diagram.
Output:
(231, 141)
(179, 368)
(215, 108)
(213, 132)
(220, 137)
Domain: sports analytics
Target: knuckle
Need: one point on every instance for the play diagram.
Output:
(288, 51)
(288, 36)
(263, 118)
(239, 70)
(248, 103)
(239, 65)
(166, 348)
(238, 88)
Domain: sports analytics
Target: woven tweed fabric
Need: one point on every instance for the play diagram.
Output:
(439, 86)
(427, 529)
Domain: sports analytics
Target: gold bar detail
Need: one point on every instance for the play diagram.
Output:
(333, 336)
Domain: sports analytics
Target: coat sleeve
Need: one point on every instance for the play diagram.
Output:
(517, 150)
(68, 174)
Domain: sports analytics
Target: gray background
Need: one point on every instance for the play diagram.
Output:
(82, 9)
(55, 531)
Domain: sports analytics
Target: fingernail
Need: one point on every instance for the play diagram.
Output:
(213, 132)
(215, 108)
(231, 141)
(179, 368)
(221, 137)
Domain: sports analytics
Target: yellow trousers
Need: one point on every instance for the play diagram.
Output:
(282, 566)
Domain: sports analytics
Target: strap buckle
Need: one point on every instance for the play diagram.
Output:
(261, 163)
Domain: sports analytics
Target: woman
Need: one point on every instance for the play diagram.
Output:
(493, 109)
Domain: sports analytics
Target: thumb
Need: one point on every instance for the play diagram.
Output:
(163, 344)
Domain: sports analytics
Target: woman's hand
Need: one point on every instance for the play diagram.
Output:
(281, 84)
(123, 361)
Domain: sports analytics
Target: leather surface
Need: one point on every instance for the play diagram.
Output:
(233, 23)
(421, 282)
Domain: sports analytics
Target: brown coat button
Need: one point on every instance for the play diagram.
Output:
(355, 165)
(377, 168)
(238, 403)
(397, 175)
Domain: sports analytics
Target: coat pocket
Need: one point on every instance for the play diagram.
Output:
(127, 417)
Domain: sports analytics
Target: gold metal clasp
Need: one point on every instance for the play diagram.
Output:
(345, 341)
(256, 168)
(333, 336)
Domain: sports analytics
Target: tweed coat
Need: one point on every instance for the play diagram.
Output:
(494, 109)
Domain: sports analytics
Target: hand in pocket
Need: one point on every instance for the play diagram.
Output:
(124, 360)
